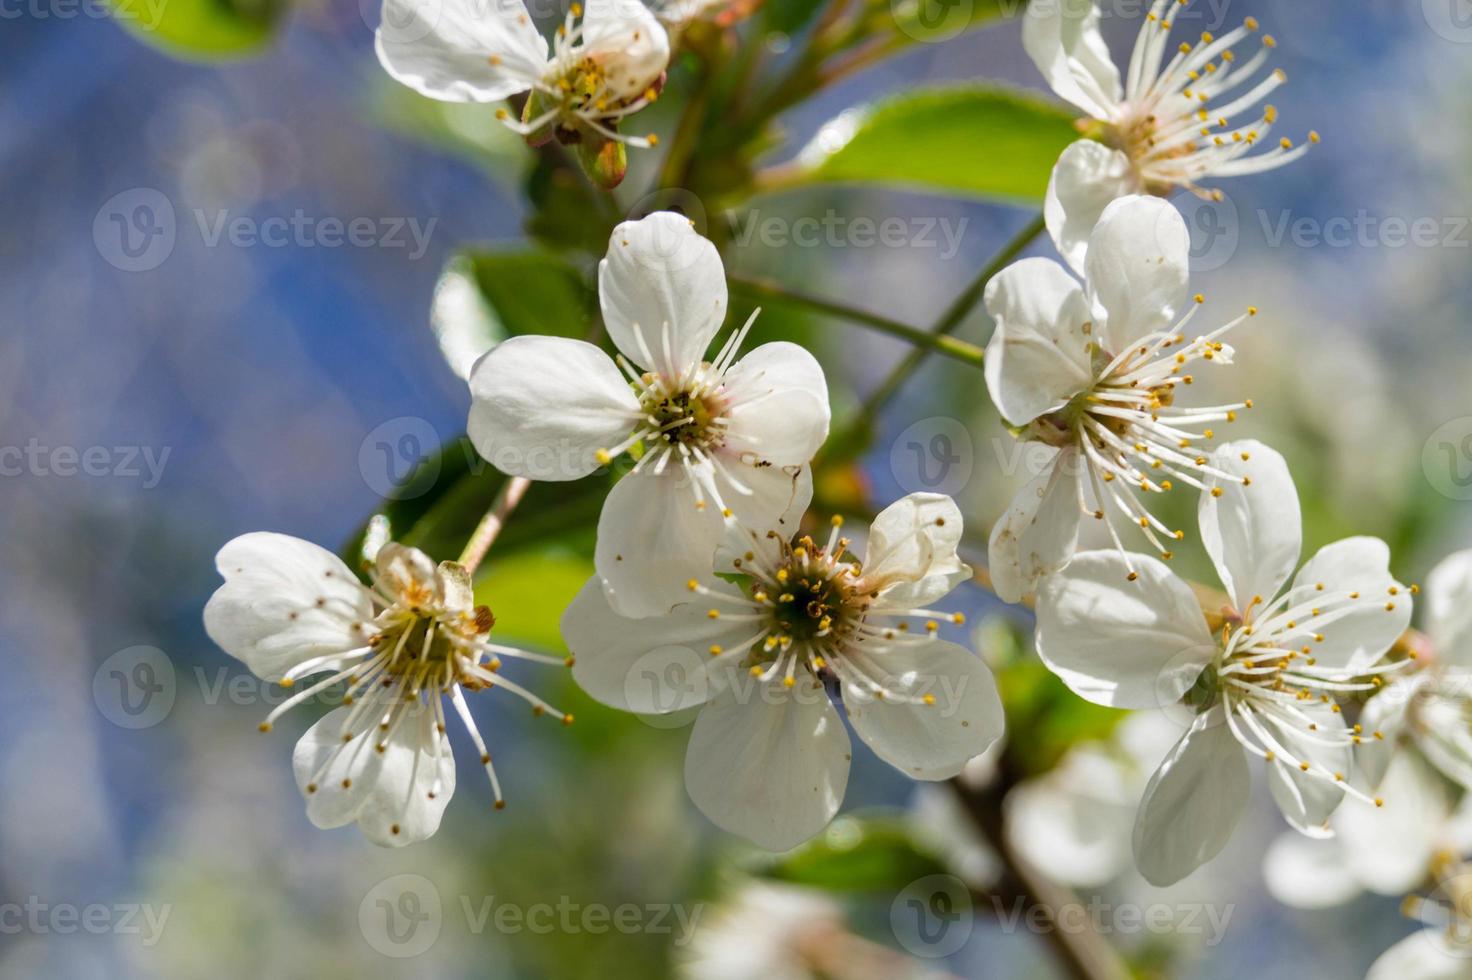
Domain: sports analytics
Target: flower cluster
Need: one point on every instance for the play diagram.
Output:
(715, 593)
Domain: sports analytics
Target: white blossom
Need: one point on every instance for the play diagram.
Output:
(720, 439)
(605, 63)
(1263, 678)
(1429, 711)
(1167, 124)
(768, 756)
(1095, 372)
(290, 610)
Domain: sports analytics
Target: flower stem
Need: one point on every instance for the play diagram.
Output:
(1082, 951)
(959, 350)
(950, 319)
(495, 518)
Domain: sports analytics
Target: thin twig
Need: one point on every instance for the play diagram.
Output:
(950, 319)
(490, 525)
(951, 347)
(1082, 951)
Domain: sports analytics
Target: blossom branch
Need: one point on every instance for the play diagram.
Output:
(495, 518)
(959, 350)
(952, 318)
(1084, 953)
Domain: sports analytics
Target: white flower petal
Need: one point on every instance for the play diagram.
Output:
(409, 796)
(1039, 533)
(663, 292)
(1087, 178)
(461, 50)
(1308, 872)
(1252, 533)
(1124, 644)
(386, 793)
(1038, 357)
(284, 601)
(777, 499)
(783, 491)
(457, 591)
(1138, 269)
(627, 41)
(769, 763)
(778, 406)
(653, 539)
(654, 665)
(1385, 713)
(1355, 640)
(1074, 823)
(927, 741)
(1193, 802)
(1390, 848)
(1063, 40)
(544, 406)
(1424, 955)
(1449, 608)
(1308, 799)
(911, 558)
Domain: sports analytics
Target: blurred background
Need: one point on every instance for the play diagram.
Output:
(166, 385)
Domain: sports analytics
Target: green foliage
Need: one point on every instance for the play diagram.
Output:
(972, 140)
(1054, 718)
(437, 507)
(528, 590)
(202, 30)
(857, 855)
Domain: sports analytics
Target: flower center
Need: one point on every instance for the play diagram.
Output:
(684, 413)
(808, 598)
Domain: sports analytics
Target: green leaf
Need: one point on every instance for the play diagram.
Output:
(857, 854)
(202, 30)
(437, 507)
(940, 20)
(975, 141)
(527, 592)
(483, 297)
(1055, 718)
